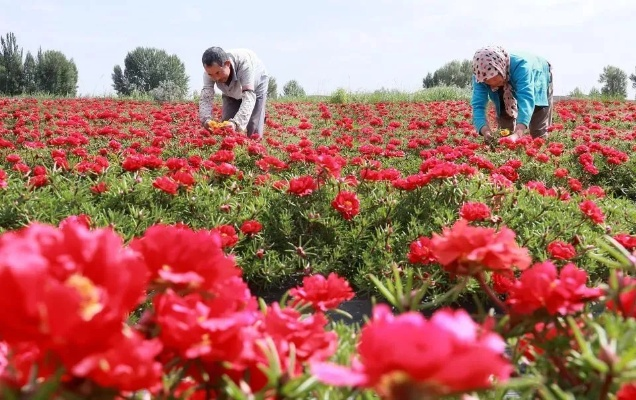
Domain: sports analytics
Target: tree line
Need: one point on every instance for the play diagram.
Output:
(146, 71)
(459, 73)
(47, 72)
(152, 71)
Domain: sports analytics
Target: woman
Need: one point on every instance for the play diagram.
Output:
(520, 86)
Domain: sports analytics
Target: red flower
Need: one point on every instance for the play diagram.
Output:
(448, 354)
(323, 294)
(13, 158)
(575, 184)
(347, 204)
(18, 360)
(626, 305)
(541, 288)
(67, 289)
(183, 177)
(225, 169)
(561, 250)
(329, 165)
(308, 335)
(81, 219)
(38, 181)
(128, 365)
(212, 330)
(3, 179)
(474, 211)
(251, 227)
(183, 257)
(99, 188)
(468, 250)
(289, 331)
(502, 283)
(627, 392)
(626, 240)
(592, 211)
(229, 237)
(166, 184)
(561, 172)
(420, 252)
(279, 185)
(302, 186)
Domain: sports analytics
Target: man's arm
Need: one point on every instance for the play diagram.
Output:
(247, 78)
(206, 99)
(244, 113)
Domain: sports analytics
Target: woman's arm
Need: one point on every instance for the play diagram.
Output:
(479, 102)
(523, 84)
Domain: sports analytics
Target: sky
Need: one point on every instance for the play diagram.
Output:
(359, 45)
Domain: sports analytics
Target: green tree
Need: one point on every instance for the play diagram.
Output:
(56, 74)
(455, 73)
(632, 78)
(30, 82)
(120, 83)
(428, 81)
(614, 81)
(594, 92)
(11, 60)
(293, 89)
(146, 69)
(272, 88)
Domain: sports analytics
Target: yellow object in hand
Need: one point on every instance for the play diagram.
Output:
(215, 124)
(504, 132)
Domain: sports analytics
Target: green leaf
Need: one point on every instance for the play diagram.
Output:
(383, 290)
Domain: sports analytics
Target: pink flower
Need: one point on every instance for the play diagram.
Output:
(448, 354)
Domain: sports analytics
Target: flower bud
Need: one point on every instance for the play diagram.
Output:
(608, 356)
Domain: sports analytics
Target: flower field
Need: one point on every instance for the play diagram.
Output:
(136, 248)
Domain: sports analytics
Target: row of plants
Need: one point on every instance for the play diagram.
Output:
(203, 334)
(342, 188)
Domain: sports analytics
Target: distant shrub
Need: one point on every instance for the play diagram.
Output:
(167, 91)
(340, 96)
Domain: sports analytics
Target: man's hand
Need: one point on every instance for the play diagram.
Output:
(210, 125)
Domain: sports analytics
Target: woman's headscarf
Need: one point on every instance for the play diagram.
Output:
(490, 61)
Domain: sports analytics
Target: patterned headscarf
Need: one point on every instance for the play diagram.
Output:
(490, 61)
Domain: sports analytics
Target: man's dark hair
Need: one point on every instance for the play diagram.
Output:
(214, 55)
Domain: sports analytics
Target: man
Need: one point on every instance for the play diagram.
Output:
(242, 79)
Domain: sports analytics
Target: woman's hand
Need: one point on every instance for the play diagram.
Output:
(486, 133)
(520, 130)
